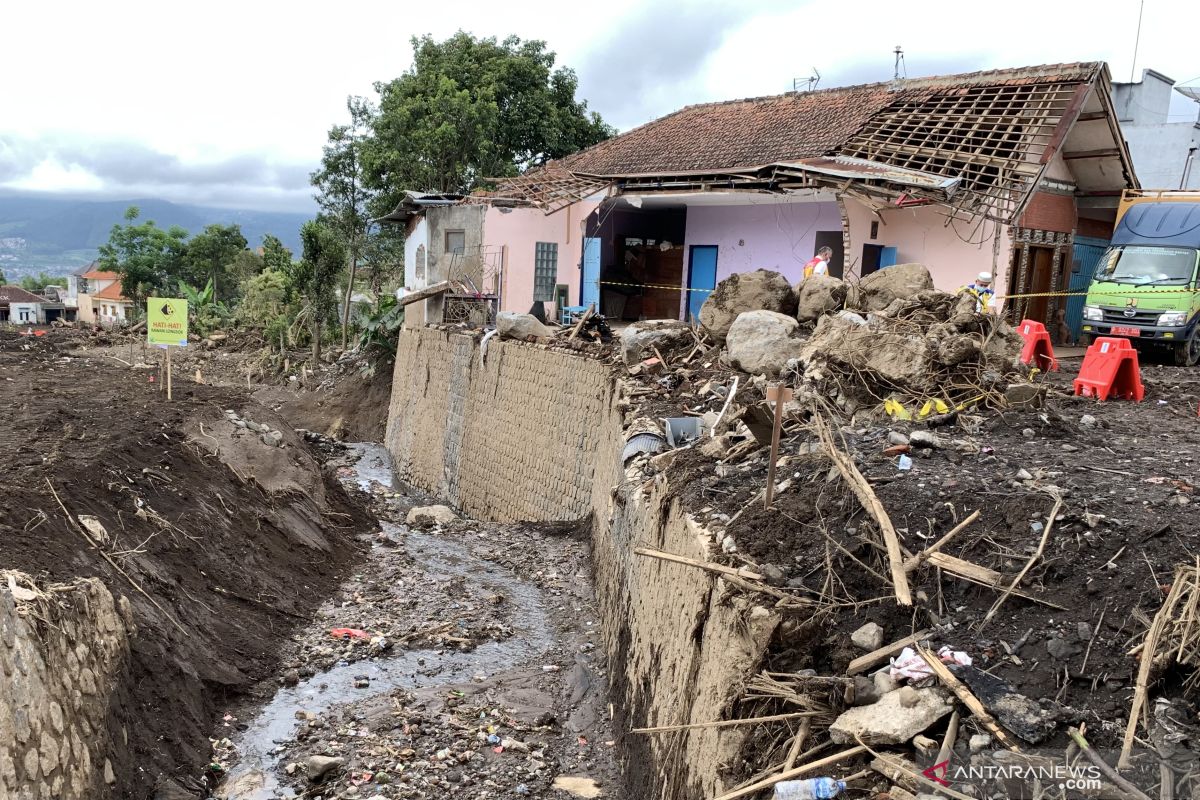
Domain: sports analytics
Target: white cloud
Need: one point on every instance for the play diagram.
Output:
(236, 83)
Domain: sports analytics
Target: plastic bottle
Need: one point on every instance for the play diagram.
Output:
(809, 789)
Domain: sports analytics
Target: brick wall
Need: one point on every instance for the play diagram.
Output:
(58, 669)
(1050, 212)
(515, 436)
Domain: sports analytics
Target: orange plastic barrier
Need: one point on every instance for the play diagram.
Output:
(1037, 346)
(1110, 369)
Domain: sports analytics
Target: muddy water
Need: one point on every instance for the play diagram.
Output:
(253, 779)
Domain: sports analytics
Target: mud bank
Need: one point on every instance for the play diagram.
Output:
(525, 432)
(211, 542)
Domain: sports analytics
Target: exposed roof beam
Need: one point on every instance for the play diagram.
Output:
(1109, 152)
(1066, 121)
(1091, 116)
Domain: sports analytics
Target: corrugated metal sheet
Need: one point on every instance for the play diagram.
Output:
(1084, 258)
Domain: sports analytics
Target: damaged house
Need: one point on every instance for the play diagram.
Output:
(994, 171)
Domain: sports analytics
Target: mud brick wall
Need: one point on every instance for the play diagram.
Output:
(535, 434)
(513, 436)
(60, 659)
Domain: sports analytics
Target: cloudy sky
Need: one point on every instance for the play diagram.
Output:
(227, 103)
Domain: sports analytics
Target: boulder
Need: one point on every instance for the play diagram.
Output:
(761, 290)
(818, 295)
(895, 719)
(639, 339)
(877, 291)
(897, 358)
(317, 767)
(425, 516)
(762, 342)
(511, 325)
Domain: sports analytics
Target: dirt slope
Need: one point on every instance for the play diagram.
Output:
(233, 540)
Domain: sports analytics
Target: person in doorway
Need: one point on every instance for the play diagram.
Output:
(982, 291)
(819, 265)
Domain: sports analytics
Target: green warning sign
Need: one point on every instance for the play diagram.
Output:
(167, 321)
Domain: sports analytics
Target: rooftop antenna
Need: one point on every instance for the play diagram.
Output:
(900, 65)
(1137, 39)
(811, 81)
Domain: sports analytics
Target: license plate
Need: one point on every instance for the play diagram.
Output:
(1121, 330)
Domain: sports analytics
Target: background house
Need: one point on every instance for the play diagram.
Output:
(994, 171)
(99, 298)
(1164, 151)
(19, 307)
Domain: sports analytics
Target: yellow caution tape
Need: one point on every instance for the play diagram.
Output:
(1086, 293)
(653, 286)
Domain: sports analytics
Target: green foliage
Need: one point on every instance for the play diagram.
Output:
(275, 256)
(316, 275)
(245, 265)
(207, 314)
(471, 109)
(383, 256)
(210, 256)
(380, 334)
(31, 283)
(148, 258)
(3, 280)
(341, 194)
(268, 304)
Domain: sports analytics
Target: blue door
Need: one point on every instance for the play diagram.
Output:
(702, 276)
(589, 289)
(887, 257)
(1084, 258)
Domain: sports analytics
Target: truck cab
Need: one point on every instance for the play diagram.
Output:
(1145, 287)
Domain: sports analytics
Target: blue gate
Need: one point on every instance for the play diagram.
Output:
(1084, 258)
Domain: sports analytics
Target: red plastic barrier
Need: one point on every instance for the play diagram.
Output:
(1037, 345)
(1110, 369)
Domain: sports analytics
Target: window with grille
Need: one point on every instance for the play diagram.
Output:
(545, 271)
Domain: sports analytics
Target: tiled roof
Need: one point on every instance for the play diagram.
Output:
(758, 131)
(101, 275)
(111, 292)
(15, 294)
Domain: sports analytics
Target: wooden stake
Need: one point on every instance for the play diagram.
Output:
(779, 395)
(868, 499)
(876, 656)
(812, 766)
(920, 557)
(725, 723)
(168, 372)
(1058, 501)
(968, 699)
(582, 320)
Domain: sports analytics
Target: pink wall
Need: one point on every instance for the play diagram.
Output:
(519, 230)
(770, 234)
(922, 235)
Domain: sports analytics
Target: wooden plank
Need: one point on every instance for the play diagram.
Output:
(866, 495)
(812, 766)
(579, 325)
(924, 555)
(968, 699)
(874, 657)
(1108, 152)
(424, 294)
(1067, 121)
(967, 569)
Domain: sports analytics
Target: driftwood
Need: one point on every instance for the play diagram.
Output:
(924, 555)
(582, 321)
(968, 699)
(867, 497)
(877, 656)
(1028, 564)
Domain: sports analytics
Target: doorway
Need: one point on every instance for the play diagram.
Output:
(702, 277)
(832, 240)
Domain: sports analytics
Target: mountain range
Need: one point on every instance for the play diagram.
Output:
(57, 234)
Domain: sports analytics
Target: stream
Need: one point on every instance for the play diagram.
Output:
(254, 779)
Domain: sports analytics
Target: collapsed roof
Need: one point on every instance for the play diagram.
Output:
(979, 141)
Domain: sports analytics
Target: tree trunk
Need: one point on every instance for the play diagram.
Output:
(316, 337)
(346, 304)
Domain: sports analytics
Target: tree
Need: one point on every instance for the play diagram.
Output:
(245, 265)
(316, 274)
(3, 280)
(148, 258)
(275, 255)
(341, 193)
(470, 109)
(36, 283)
(210, 254)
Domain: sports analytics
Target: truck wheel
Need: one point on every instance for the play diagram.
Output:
(1187, 353)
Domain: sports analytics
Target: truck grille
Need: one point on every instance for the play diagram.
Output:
(1117, 316)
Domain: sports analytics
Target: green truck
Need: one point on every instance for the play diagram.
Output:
(1146, 287)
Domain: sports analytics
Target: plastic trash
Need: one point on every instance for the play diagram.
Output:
(348, 633)
(910, 665)
(809, 789)
(905, 463)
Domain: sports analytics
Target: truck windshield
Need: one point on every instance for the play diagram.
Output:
(1138, 264)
